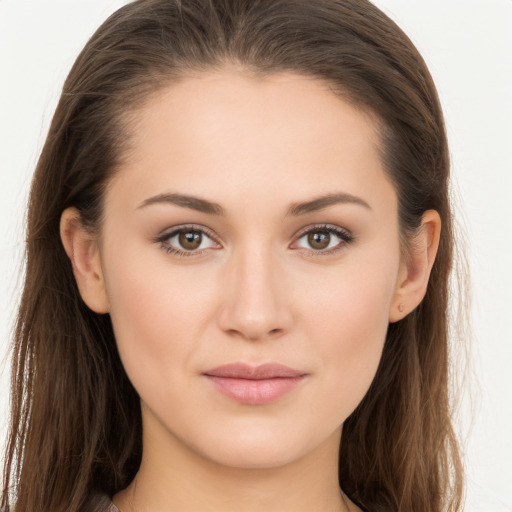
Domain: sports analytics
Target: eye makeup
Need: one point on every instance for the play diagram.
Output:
(195, 240)
(320, 240)
(192, 240)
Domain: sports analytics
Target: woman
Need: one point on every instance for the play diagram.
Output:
(239, 241)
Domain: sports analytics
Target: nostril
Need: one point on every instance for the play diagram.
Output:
(254, 336)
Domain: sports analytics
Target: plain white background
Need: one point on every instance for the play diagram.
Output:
(468, 47)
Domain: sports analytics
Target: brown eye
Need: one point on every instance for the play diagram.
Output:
(324, 240)
(187, 241)
(319, 239)
(190, 240)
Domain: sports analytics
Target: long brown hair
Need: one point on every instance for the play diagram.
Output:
(76, 423)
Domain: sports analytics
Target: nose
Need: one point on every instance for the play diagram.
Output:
(256, 303)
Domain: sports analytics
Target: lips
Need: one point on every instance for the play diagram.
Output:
(254, 385)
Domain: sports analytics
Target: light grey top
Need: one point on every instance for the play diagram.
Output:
(112, 508)
(101, 503)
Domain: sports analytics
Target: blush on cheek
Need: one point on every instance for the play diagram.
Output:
(135, 316)
(355, 321)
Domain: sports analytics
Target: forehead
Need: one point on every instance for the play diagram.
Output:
(260, 104)
(278, 137)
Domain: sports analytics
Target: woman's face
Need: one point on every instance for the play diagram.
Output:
(252, 225)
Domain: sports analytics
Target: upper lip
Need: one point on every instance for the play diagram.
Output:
(260, 372)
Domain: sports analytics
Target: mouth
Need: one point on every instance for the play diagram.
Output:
(254, 385)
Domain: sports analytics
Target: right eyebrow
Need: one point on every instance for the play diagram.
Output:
(185, 201)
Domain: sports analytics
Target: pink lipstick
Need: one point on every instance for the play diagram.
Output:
(254, 385)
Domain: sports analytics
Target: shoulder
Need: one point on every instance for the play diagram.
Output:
(100, 503)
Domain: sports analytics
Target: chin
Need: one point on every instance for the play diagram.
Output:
(260, 448)
(254, 457)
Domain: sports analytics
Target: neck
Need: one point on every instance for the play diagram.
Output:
(174, 477)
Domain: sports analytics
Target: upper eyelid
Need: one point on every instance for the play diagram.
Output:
(176, 229)
(327, 227)
(169, 232)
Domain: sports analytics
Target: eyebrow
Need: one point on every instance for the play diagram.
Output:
(325, 201)
(295, 209)
(185, 201)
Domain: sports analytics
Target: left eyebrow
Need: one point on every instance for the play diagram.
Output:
(319, 203)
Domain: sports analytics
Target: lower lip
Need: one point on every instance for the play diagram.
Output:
(252, 391)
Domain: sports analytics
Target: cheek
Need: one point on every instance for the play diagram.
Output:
(348, 324)
(155, 316)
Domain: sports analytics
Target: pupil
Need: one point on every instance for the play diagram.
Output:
(319, 239)
(190, 239)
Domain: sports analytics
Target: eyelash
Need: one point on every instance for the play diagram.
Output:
(345, 238)
(164, 240)
(344, 235)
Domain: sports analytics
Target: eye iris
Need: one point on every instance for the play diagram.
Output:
(190, 239)
(319, 239)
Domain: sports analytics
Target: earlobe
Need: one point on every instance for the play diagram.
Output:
(415, 272)
(83, 251)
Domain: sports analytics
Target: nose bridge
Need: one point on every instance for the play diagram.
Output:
(255, 302)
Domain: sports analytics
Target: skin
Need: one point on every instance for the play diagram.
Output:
(255, 292)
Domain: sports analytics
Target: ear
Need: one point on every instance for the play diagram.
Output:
(415, 271)
(83, 251)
